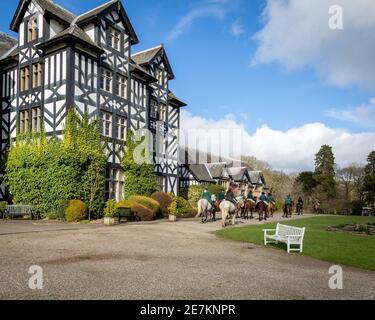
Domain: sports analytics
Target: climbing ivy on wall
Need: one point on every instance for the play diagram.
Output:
(46, 172)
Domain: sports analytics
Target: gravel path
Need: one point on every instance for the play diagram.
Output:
(161, 260)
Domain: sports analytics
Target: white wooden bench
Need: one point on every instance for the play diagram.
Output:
(292, 236)
(15, 211)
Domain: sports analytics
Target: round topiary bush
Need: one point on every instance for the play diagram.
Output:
(143, 213)
(147, 202)
(164, 200)
(76, 211)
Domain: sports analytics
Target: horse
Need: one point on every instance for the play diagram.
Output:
(227, 209)
(262, 209)
(288, 209)
(316, 207)
(249, 207)
(204, 209)
(299, 208)
(271, 208)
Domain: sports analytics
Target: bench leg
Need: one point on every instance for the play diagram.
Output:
(288, 246)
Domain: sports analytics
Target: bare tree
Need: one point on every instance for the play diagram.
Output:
(351, 179)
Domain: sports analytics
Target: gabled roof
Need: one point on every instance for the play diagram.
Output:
(47, 6)
(176, 100)
(102, 9)
(217, 170)
(200, 173)
(8, 46)
(142, 72)
(238, 174)
(147, 56)
(255, 176)
(74, 32)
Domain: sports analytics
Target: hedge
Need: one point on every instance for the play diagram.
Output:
(147, 202)
(164, 200)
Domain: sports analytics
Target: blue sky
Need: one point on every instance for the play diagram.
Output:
(212, 44)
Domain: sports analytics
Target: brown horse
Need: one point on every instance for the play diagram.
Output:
(288, 209)
(249, 207)
(299, 208)
(262, 209)
(271, 209)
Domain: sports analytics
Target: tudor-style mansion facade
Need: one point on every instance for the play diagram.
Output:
(85, 62)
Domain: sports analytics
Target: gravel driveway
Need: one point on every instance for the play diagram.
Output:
(161, 260)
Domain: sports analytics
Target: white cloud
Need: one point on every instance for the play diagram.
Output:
(291, 150)
(212, 9)
(363, 115)
(296, 35)
(237, 29)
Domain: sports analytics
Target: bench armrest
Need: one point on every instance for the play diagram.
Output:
(265, 231)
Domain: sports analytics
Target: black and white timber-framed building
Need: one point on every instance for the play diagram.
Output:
(86, 62)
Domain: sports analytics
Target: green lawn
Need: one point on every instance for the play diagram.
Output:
(341, 248)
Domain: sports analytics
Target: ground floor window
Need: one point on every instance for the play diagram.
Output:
(161, 182)
(114, 184)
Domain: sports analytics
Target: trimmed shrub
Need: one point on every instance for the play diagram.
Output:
(180, 207)
(76, 211)
(110, 208)
(145, 214)
(3, 206)
(164, 200)
(147, 202)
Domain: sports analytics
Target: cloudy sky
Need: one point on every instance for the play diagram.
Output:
(272, 69)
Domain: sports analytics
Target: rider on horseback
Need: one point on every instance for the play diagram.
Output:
(250, 195)
(207, 195)
(270, 199)
(230, 196)
(263, 197)
(221, 195)
(288, 200)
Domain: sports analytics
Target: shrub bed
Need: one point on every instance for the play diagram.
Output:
(180, 207)
(143, 212)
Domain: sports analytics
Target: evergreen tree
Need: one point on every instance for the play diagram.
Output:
(140, 178)
(325, 170)
(369, 181)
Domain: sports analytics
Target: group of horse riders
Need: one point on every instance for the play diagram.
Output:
(266, 199)
(230, 196)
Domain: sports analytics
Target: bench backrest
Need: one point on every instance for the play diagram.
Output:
(19, 209)
(283, 230)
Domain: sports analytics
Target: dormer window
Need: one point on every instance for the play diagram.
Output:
(115, 39)
(32, 29)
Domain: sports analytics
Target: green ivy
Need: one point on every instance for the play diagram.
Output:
(140, 179)
(46, 172)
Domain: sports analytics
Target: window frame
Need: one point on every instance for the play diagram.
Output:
(106, 78)
(32, 29)
(25, 79)
(115, 34)
(107, 124)
(24, 118)
(122, 86)
(38, 71)
(36, 119)
(122, 128)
